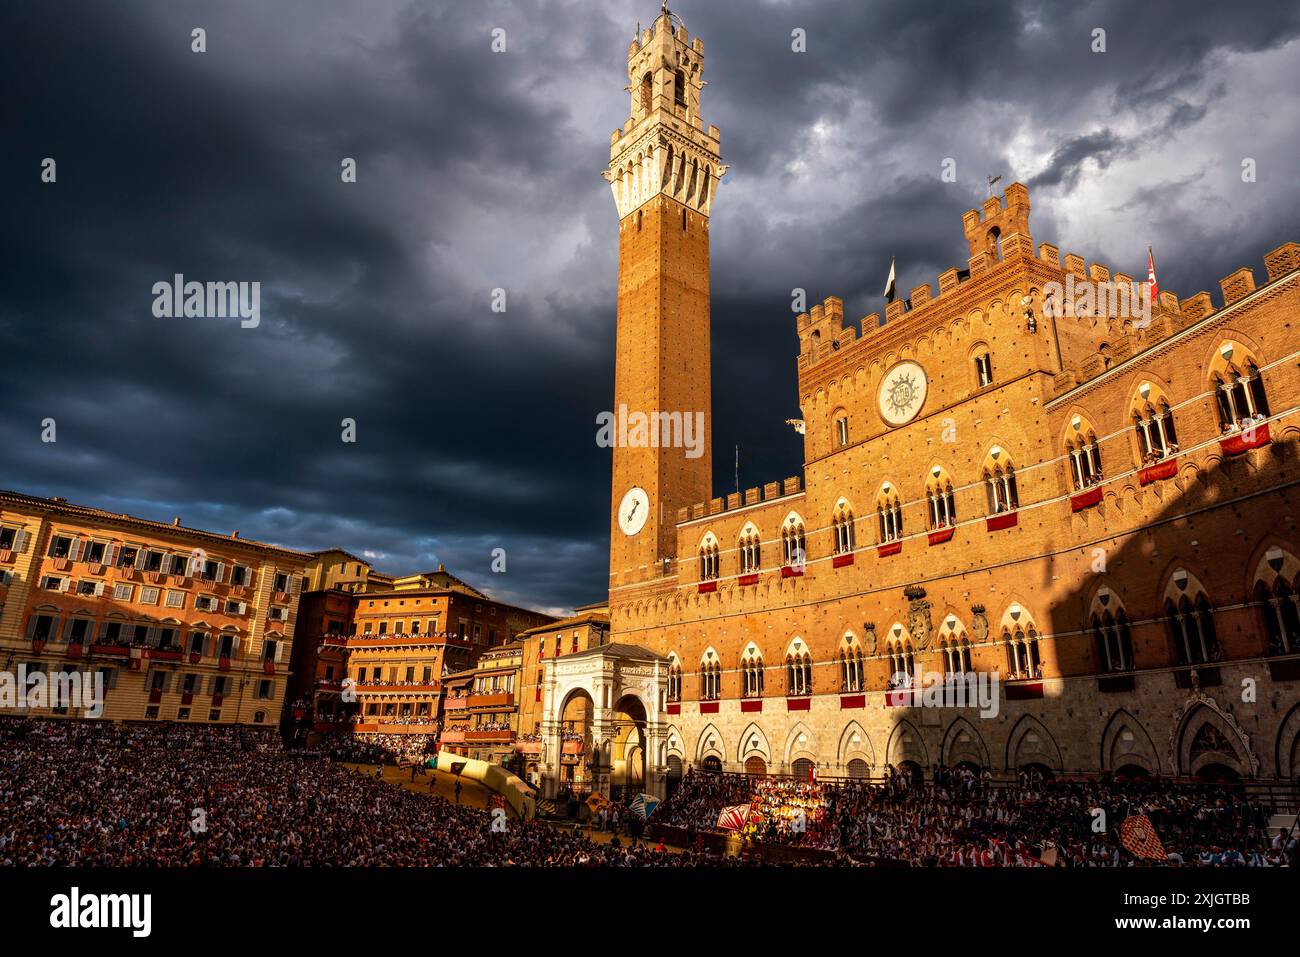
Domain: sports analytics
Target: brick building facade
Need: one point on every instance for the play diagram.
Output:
(183, 624)
(1095, 505)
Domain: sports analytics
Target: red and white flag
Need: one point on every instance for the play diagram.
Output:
(733, 818)
(1153, 288)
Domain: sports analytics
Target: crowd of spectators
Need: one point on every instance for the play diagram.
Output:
(103, 794)
(376, 747)
(961, 818)
(95, 795)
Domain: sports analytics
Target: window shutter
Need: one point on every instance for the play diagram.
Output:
(243, 608)
(279, 650)
(223, 573)
(67, 631)
(20, 541)
(110, 556)
(165, 684)
(31, 627)
(77, 550)
(295, 585)
(65, 584)
(151, 637)
(49, 553)
(99, 589)
(234, 646)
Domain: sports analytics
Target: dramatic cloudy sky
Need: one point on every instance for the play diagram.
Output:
(480, 170)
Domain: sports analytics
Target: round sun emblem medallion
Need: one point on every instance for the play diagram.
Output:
(902, 393)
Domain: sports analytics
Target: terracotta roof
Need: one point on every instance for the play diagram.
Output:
(616, 650)
(594, 618)
(58, 506)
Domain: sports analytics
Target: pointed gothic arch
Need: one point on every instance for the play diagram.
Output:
(1204, 735)
(855, 745)
(1031, 743)
(963, 744)
(906, 744)
(1125, 741)
(710, 743)
(753, 743)
(800, 743)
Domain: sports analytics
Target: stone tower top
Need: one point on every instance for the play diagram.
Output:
(664, 147)
(987, 227)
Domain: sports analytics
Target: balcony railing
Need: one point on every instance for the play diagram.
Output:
(424, 687)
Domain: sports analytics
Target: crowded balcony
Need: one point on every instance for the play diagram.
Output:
(404, 640)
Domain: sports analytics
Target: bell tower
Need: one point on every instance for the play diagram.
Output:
(663, 170)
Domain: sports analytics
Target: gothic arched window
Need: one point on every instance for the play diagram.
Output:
(842, 529)
(647, 92)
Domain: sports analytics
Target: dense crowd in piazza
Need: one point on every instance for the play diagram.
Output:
(962, 818)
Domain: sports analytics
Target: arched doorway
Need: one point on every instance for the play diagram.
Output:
(802, 769)
(858, 769)
(1043, 770)
(916, 774)
(575, 741)
(627, 754)
(711, 763)
(755, 766)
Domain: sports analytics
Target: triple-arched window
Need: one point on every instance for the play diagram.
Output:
(1000, 483)
(1281, 608)
(851, 668)
(842, 529)
(1191, 629)
(750, 551)
(939, 498)
(675, 681)
(1114, 641)
(889, 512)
(1022, 653)
(902, 664)
(751, 673)
(798, 673)
(710, 680)
(709, 559)
(793, 548)
(956, 656)
(1085, 457)
(1153, 423)
(1239, 395)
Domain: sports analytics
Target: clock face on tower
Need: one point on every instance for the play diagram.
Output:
(902, 393)
(633, 510)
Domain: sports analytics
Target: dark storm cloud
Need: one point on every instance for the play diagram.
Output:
(480, 171)
(1067, 161)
